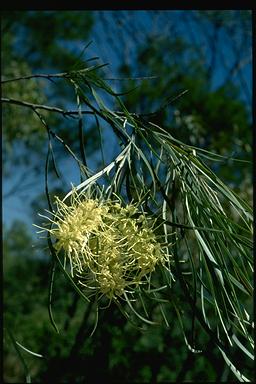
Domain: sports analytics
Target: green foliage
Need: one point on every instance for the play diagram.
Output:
(19, 123)
(27, 45)
(207, 114)
(42, 44)
(211, 114)
(202, 302)
(209, 252)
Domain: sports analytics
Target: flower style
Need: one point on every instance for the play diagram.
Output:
(110, 248)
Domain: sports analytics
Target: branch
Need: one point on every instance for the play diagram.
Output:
(45, 107)
(44, 76)
(53, 75)
(65, 74)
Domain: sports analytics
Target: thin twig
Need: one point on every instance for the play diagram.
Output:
(51, 76)
(64, 74)
(40, 75)
(45, 107)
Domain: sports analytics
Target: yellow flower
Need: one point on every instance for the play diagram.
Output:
(110, 248)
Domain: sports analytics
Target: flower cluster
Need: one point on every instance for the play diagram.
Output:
(110, 248)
